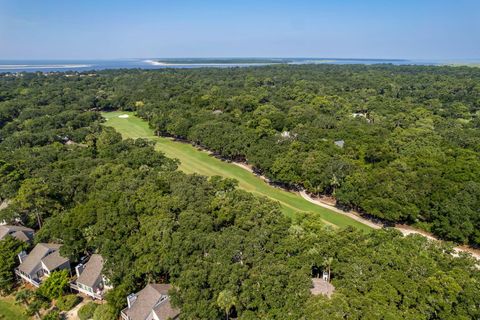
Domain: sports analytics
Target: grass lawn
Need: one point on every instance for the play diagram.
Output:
(10, 311)
(195, 161)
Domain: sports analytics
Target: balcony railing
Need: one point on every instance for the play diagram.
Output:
(95, 295)
(34, 282)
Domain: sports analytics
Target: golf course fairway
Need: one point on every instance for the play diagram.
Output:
(193, 160)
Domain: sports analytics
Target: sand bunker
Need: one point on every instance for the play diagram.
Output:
(123, 116)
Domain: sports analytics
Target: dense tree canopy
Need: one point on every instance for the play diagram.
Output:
(410, 154)
(411, 134)
(10, 247)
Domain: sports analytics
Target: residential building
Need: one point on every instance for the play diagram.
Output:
(90, 279)
(151, 303)
(322, 285)
(19, 232)
(44, 259)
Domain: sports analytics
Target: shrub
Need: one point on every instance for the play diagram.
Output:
(86, 311)
(67, 302)
(36, 303)
(105, 312)
(53, 315)
(54, 286)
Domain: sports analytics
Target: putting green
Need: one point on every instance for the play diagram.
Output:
(193, 160)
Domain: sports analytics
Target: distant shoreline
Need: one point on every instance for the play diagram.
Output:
(46, 66)
(202, 62)
(155, 63)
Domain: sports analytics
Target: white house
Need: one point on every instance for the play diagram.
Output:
(151, 303)
(90, 279)
(41, 262)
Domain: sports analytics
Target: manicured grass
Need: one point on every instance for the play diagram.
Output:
(196, 161)
(10, 311)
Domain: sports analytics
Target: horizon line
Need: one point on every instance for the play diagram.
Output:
(234, 57)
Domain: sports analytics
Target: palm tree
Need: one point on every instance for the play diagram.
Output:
(334, 182)
(226, 300)
(23, 296)
(27, 298)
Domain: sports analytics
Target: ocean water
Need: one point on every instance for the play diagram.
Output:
(152, 63)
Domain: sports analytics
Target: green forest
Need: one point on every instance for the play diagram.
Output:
(410, 154)
(408, 136)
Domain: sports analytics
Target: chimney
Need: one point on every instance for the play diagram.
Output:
(79, 269)
(132, 297)
(21, 256)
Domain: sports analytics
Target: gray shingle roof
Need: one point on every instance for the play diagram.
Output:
(164, 310)
(54, 260)
(19, 232)
(31, 261)
(92, 271)
(321, 286)
(22, 236)
(150, 299)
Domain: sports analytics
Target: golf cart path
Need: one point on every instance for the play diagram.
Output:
(405, 230)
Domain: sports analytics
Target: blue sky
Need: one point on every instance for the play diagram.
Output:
(86, 29)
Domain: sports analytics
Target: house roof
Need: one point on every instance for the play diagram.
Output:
(92, 271)
(19, 232)
(164, 310)
(22, 236)
(321, 286)
(54, 260)
(35, 256)
(149, 299)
